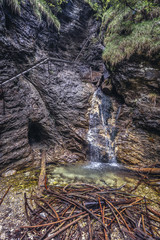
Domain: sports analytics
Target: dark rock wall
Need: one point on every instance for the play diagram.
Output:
(47, 107)
(138, 83)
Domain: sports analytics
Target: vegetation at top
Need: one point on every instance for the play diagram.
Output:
(128, 27)
(48, 8)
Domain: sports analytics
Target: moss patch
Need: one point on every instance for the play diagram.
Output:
(131, 33)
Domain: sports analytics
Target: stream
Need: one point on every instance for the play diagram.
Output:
(26, 181)
(101, 169)
(90, 124)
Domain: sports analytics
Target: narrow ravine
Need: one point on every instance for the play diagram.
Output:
(92, 120)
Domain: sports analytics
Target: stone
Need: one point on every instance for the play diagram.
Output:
(46, 108)
(138, 122)
(9, 173)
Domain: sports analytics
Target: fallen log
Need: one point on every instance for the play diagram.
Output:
(42, 176)
(94, 204)
(150, 171)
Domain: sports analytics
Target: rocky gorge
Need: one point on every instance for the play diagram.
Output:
(48, 106)
(75, 117)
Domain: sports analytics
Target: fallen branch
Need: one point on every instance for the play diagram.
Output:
(79, 205)
(67, 226)
(155, 212)
(42, 176)
(59, 209)
(52, 223)
(150, 171)
(5, 195)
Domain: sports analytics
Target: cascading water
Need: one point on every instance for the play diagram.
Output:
(101, 132)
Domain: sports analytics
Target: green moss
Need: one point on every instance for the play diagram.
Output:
(22, 180)
(128, 29)
(129, 34)
(41, 7)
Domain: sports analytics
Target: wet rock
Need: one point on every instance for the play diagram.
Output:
(138, 138)
(9, 173)
(107, 87)
(47, 107)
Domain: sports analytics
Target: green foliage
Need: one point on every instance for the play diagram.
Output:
(49, 8)
(128, 27)
(101, 6)
(41, 7)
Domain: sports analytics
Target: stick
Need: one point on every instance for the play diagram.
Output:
(5, 195)
(155, 212)
(29, 69)
(81, 184)
(36, 65)
(79, 205)
(67, 226)
(85, 43)
(90, 228)
(142, 235)
(54, 229)
(52, 208)
(42, 179)
(152, 171)
(116, 217)
(23, 235)
(150, 226)
(105, 233)
(117, 212)
(52, 223)
(143, 224)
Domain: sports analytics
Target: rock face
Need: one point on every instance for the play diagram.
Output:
(138, 83)
(48, 106)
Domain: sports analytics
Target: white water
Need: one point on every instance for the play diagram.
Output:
(101, 131)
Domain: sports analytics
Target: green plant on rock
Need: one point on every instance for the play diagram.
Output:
(128, 27)
(49, 8)
(153, 97)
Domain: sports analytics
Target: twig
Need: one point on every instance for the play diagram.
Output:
(41, 182)
(24, 235)
(117, 212)
(52, 208)
(150, 226)
(89, 228)
(5, 195)
(26, 205)
(153, 211)
(78, 205)
(143, 223)
(67, 226)
(52, 223)
(36, 65)
(116, 217)
(81, 184)
(85, 43)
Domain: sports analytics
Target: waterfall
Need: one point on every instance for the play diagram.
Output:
(101, 132)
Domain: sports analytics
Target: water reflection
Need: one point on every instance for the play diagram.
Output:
(94, 172)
